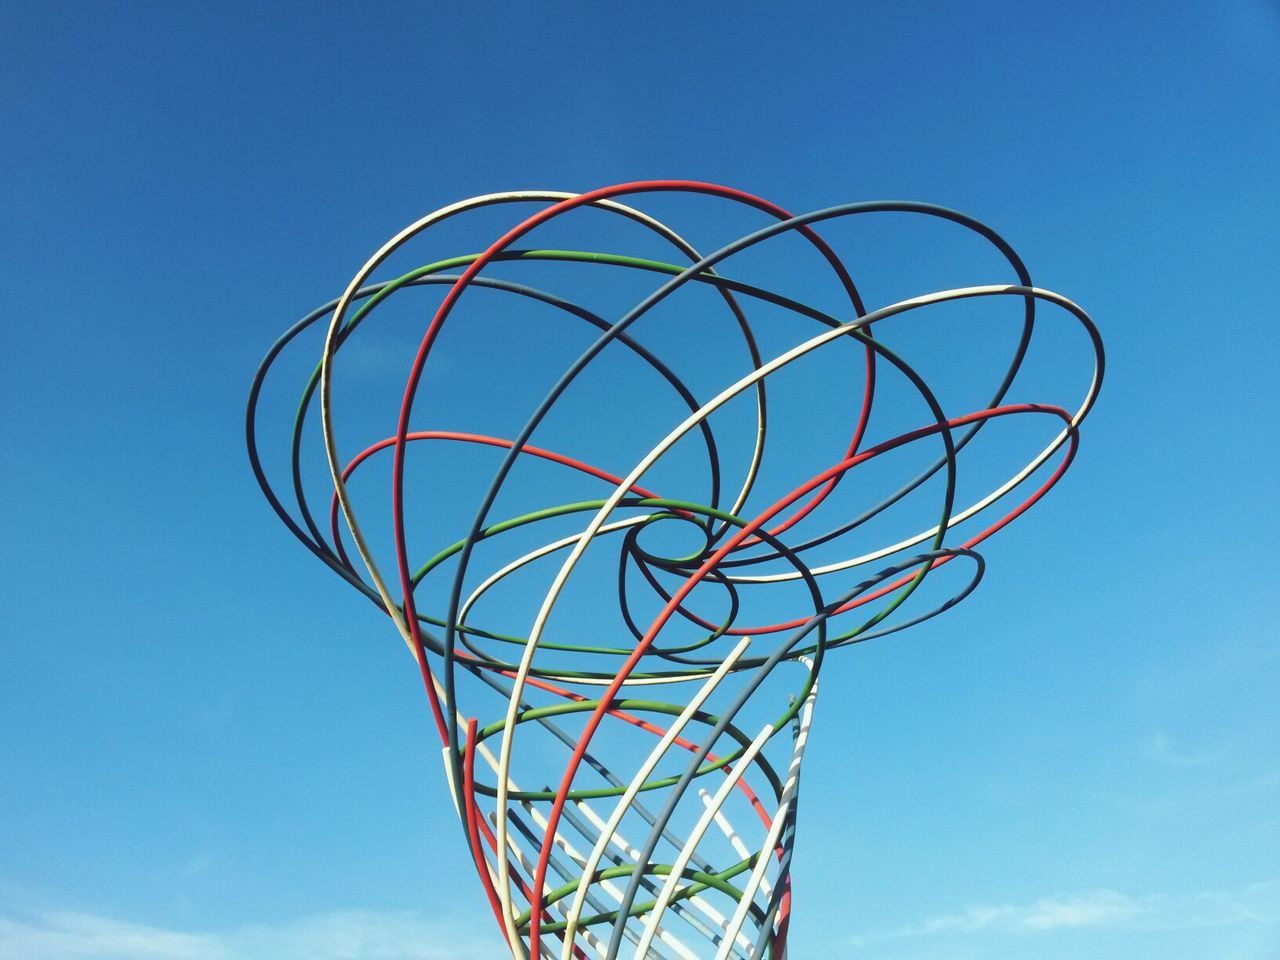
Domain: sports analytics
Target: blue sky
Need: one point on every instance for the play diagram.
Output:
(211, 753)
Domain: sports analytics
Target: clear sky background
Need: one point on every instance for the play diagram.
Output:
(209, 753)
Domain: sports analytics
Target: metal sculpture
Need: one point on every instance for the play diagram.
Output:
(678, 844)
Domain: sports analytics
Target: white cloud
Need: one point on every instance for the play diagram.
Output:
(59, 935)
(1160, 749)
(342, 935)
(1257, 903)
(1093, 908)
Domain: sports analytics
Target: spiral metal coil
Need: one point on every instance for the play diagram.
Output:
(660, 819)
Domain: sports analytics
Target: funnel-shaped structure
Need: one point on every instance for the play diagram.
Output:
(640, 491)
